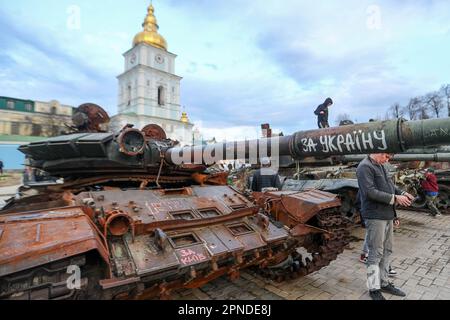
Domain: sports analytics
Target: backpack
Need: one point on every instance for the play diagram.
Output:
(317, 112)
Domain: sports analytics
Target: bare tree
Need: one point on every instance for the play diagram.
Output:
(412, 108)
(433, 101)
(445, 91)
(396, 111)
(422, 109)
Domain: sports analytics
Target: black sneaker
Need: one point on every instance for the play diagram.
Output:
(393, 290)
(376, 295)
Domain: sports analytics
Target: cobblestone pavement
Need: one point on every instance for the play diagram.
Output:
(421, 258)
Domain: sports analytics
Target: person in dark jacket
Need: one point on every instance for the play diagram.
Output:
(322, 114)
(265, 177)
(379, 196)
(431, 189)
(1, 167)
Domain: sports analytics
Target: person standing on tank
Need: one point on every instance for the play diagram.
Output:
(378, 196)
(322, 113)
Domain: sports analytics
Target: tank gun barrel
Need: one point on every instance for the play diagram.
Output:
(393, 136)
(405, 157)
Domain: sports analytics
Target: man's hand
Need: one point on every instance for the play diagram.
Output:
(410, 196)
(402, 201)
(396, 223)
(322, 112)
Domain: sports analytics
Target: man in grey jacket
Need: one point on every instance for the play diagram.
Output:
(378, 199)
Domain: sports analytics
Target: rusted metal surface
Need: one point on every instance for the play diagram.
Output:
(90, 117)
(32, 239)
(293, 207)
(131, 142)
(195, 234)
(304, 205)
(219, 178)
(155, 132)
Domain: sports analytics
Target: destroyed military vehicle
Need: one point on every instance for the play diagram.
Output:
(138, 217)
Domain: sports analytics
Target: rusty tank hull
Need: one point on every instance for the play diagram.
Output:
(140, 244)
(138, 217)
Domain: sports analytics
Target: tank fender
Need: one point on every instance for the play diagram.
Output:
(32, 239)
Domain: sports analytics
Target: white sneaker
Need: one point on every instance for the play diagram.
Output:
(392, 272)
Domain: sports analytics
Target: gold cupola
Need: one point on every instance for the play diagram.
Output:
(184, 118)
(150, 33)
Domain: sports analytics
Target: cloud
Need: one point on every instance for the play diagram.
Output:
(243, 63)
(34, 64)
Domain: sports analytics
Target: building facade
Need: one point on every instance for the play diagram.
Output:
(33, 118)
(24, 121)
(149, 89)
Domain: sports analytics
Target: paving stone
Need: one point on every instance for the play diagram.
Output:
(429, 296)
(425, 282)
(413, 296)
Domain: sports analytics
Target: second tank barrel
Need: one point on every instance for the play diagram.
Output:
(436, 157)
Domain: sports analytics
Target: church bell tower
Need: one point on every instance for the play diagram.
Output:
(149, 89)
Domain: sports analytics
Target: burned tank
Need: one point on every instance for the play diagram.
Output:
(408, 170)
(326, 174)
(411, 167)
(337, 175)
(138, 217)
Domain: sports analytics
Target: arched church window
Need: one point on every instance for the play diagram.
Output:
(161, 96)
(129, 95)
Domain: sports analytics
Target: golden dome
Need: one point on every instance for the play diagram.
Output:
(150, 33)
(184, 118)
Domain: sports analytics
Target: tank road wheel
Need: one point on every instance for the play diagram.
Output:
(321, 249)
(421, 202)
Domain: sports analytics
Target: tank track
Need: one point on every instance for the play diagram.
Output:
(323, 249)
(50, 282)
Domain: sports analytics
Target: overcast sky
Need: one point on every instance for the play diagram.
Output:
(243, 62)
